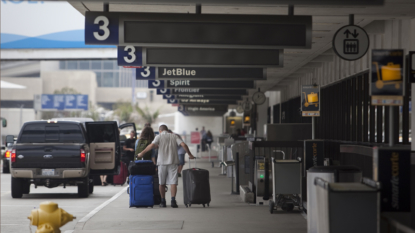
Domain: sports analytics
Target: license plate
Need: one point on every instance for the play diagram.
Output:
(48, 172)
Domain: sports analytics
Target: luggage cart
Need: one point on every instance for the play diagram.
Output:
(286, 177)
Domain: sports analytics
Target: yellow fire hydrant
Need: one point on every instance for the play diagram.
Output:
(49, 218)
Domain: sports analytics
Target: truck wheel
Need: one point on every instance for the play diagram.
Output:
(26, 187)
(91, 187)
(17, 188)
(83, 189)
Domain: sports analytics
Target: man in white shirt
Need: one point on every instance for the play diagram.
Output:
(167, 161)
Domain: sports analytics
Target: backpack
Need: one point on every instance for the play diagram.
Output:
(141, 145)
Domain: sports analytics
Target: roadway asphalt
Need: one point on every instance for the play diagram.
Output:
(14, 212)
(106, 210)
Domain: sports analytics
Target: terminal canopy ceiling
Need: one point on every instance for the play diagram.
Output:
(327, 15)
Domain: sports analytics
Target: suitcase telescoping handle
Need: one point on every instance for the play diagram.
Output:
(195, 162)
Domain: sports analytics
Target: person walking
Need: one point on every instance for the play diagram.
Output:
(128, 148)
(167, 161)
(181, 152)
(146, 137)
(209, 138)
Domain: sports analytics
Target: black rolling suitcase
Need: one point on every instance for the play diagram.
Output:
(196, 187)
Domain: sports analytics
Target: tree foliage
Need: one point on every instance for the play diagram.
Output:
(66, 90)
(146, 114)
(123, 110)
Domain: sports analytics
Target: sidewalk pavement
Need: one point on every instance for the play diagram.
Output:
(227, 213)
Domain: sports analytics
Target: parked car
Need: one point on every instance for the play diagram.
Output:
(51, 153)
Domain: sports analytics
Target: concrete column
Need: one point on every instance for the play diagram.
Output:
(262, 118)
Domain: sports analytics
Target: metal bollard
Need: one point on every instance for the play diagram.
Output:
(49, 218)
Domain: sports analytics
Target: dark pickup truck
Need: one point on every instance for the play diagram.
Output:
(51, 153)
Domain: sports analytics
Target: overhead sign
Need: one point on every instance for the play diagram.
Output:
(200, 84)
(411, 67)
(101, 28)
(202, 57)
(178, 91)
(172, 101)
(387, 85)
(205, 101)
(195, 73)
(145, 73)
(211, 97)
(310, 100)
(166, 97)
(205, 110)
(64, 102)
(195, 30)
(351, 42)
(129, 56)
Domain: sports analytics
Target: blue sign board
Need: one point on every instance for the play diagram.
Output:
(64, 102)
(129, 56)
(101, 28)
(146, 73)
(168, 97)
(163, 91)
(156, 84)
(172, 101)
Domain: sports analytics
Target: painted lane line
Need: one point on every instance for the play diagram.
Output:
(96, 210)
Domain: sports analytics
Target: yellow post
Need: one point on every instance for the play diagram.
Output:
(49, 218)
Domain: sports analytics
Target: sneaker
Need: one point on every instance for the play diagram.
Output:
(180, 175)
(174, 204)
(163, 204)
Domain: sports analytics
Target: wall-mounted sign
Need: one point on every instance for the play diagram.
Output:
(198, 73)
(310, 100)
(64, 102)
(411, 67)
(162, 84)
(387, 85)
(392, 168)
(351, 42)
(129, 56)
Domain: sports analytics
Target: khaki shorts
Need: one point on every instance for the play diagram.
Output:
(168, 174)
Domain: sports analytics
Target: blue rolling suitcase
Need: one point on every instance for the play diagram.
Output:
(141, 191)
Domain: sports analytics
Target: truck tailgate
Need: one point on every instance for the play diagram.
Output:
(48, 155)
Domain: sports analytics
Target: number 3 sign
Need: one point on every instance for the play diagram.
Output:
(129, 56)
(101, 28)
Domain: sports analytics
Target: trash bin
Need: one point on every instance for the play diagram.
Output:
(330, 174)
(347, 207)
